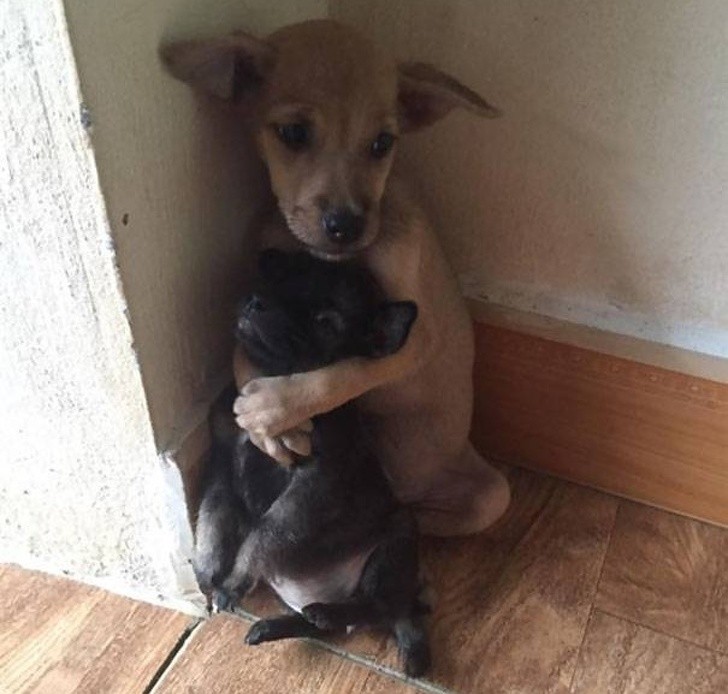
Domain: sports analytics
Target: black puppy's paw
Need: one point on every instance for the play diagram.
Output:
(416, 658)
(258, 633)
(222, 601)
(320, 615)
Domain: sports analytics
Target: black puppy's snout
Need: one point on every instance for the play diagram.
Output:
(343, 225)
(255, 304)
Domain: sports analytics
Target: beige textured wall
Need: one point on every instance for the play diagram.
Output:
(602, 195)
(82, 489)
(179, 185)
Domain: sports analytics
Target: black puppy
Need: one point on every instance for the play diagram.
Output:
(327, 534)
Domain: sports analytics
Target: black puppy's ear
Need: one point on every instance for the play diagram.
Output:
(390, 327)
(229, 67)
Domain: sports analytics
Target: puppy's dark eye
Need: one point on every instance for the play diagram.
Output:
(382, 145)
(295, 136)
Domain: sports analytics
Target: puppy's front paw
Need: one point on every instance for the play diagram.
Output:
(275, 448)
(319, 614)
(223, 601)
(258, 633)
(273, 405)
(265, 405)
(299, 440)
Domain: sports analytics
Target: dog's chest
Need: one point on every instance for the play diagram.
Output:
(335, 583)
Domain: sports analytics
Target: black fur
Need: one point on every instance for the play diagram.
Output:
(259, 521)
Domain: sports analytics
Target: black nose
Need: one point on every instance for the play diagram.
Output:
(343, 226)
(255, 304)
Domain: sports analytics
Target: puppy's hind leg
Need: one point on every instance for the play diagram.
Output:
(390, 581)
(241, 578)
(285, 627)
(413, 644)
(219, 532)
(475, 496)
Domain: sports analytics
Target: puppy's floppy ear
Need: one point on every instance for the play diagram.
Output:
(426, 94)
(390, 327)
(229, 67)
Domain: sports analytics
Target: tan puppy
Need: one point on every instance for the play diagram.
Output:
(326, 108)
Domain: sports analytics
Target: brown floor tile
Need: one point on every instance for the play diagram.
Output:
(61, 636)
(669, 573)
(217, 660)
(619, 657)
(512, 604)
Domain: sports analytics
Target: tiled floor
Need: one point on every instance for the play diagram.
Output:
(573, 591)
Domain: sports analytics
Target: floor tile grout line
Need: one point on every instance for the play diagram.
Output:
(606, 551)
(581, 647)
(596, 594)
(390, 673)
(681, 639)
(173, 655)
(633, 621)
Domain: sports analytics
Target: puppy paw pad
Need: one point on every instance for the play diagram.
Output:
(319, 615)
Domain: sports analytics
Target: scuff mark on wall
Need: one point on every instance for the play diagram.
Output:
(85, 115)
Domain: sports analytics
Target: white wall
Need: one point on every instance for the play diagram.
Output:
(82, 489)
(602, 195)
(180, 187)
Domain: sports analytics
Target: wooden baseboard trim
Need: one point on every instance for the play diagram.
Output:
(638, 430)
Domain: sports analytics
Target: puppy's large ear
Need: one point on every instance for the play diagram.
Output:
(390, 327)
(426, 95)
(229, 67)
